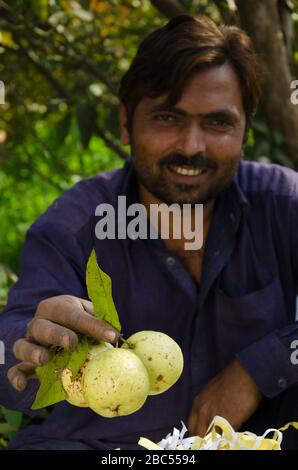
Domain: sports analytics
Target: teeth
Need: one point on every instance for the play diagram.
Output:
(188, 172)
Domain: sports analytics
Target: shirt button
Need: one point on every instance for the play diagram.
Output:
(170, 261)
(216, 253)
(232, 217)
(282, 383)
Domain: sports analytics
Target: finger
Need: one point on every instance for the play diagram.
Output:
(201, 427)
(192, 423)
(19, 374)
(204, 418)
(26, 351)
(73, 316)
(235, 422)
(48, 333)
(88, 306)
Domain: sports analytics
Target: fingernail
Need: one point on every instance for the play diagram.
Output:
(65, 341)
(36, 357)
(43, 358)
(17, 383)
(110, 335)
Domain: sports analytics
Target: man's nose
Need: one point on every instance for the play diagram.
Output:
(192, 139)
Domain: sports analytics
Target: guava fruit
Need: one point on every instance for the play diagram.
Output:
(115, 383)
(73, 388)
(161, 356)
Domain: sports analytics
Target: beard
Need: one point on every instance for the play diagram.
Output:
(154, 177)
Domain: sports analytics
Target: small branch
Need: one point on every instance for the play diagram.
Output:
(42, 69)
(9, 48)
(47, 151)
(110, 143)
(124, 341)
(12, 277)
(89, 66)
(7, 13)
(285, 11)
(169, 8)
(228, 16)
(29, 166)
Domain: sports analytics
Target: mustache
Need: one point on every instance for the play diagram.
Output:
(197, 161)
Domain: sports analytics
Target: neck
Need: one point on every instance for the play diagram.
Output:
(173, 244)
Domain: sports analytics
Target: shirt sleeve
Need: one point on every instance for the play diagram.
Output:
(52, 263)
(273, 361)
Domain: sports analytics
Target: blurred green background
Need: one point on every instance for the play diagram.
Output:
(61, 62)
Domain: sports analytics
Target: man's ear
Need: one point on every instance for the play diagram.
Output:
(124, 134)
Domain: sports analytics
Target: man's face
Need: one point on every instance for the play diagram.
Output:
(188, 154)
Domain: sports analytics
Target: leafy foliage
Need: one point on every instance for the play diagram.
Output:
(12, 421)
(61, 62)
(7, 279)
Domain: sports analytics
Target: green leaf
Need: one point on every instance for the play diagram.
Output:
(278, 138)
(86, 116)
(280, 157)
(260, 127)
(5, 428)
(51, 390)
(78, 356)
(99, 286)
(63, 128)
(3, 443)
(41, 9)
(13, 418)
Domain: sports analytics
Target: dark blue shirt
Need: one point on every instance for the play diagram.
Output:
(245, 306)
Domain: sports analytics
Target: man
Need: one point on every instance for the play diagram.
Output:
(186, 104)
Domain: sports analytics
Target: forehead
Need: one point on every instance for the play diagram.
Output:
(206, 91)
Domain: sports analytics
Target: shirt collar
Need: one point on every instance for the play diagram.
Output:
(237, 198)
(129, 186)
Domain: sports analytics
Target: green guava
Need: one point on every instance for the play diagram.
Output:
(115, 383)
(161, 356)
(73, 388)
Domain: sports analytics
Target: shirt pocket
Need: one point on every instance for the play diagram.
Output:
(240, 321)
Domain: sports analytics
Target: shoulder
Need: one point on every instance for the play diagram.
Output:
(260, 179)
(75, 208)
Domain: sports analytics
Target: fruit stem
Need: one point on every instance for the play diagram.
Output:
(124, 341)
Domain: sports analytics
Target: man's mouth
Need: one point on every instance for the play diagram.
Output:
(187, 171)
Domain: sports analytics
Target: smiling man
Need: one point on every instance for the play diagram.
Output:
(187, 102)
(188, 153)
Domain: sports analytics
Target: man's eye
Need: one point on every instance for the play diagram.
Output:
(164, 117)
(220, 123)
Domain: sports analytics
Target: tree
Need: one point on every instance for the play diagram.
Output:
(270, 24)
(271, 34)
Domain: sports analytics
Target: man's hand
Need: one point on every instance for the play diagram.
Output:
(56, 322)
(232, 394)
